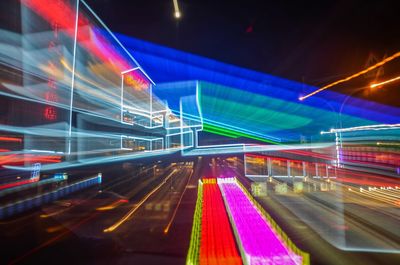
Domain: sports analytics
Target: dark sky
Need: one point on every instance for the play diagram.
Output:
(312, 41)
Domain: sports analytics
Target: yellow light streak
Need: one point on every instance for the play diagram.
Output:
(136, 207)
(379, 64)
(166, 229)
(385, 82)
(112, 205)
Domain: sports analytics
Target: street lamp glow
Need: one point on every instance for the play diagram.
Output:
(177, 14)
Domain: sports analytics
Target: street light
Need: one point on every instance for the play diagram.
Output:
(177, 12)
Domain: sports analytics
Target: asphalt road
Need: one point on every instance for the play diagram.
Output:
(158, 203)
(71, 231)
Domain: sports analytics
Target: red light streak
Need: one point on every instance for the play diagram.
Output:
(18, 183)
(217, 245)
(20, 159)
(4, 150)
(10, 139)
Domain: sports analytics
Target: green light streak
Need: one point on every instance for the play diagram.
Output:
(232, 134)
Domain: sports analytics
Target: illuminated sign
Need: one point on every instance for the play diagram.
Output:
(36, 171)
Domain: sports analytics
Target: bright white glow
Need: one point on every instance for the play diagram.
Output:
(376, 127)
(176, 7)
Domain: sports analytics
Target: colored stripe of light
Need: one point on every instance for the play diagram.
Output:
(217, 243)
(10, 139)
(193, 253)
(231, 133)
(258, 242)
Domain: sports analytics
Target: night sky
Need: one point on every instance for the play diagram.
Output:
(316, 42)
(311, 41)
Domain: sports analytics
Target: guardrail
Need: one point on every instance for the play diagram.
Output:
(38, 200)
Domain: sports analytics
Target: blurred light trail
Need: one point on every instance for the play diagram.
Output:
(375, 127)
(134, 209)
(385, 82)
(246, 148)
(166, 229)
(379, 64)
(194, 245)
(112, 205)
(177, 11)
(257, 239)
(10, 139)
(99, 160)
(217, 241)
(18, 183)
(388, 144)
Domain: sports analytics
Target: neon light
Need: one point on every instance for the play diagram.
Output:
(379, 64)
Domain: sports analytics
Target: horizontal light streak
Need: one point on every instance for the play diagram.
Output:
(375, 127)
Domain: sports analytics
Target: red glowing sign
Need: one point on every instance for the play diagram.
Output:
(50, 113)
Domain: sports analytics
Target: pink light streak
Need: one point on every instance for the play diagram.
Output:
(258, 241)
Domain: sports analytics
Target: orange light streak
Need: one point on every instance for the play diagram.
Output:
(385, 82)
(379, 64)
